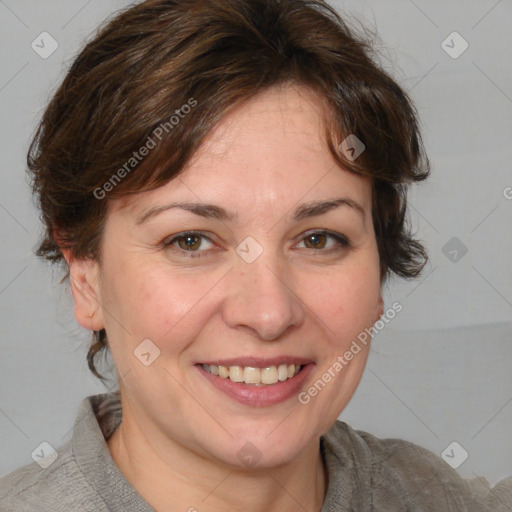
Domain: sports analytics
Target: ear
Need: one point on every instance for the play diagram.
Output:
(379, 309)
(84, 278)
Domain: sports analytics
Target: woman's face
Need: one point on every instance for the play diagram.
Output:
(265, 279)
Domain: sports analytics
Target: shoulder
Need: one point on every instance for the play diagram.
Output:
(401, 472)
(62, 481)
(83, 477)
(33, 487)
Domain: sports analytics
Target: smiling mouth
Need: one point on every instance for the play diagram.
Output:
(254, 376)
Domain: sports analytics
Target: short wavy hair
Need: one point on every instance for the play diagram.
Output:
(148, 61)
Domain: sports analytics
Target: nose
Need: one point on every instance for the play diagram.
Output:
(262, 300)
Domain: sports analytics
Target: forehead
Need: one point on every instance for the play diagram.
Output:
(289, 119)
(270, 149)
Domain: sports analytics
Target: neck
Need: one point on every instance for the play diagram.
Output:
(171, 477)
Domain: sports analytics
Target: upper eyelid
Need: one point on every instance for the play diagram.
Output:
(170, 240)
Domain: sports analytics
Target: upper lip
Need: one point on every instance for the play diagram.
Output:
(258, 362)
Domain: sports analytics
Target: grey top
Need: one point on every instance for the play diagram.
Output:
(364, 474)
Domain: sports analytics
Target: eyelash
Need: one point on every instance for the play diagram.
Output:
(342, 241)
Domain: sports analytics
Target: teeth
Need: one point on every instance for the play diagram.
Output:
(282, 372)
(255, 376)
(236, 373)
(251, 375)
(269, 375)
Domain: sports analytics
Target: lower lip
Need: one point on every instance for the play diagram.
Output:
(259, 396)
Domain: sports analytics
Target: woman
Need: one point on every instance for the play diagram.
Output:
(225, 182)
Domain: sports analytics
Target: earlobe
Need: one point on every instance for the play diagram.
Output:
(379, 310)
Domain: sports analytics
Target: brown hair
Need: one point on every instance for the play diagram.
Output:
(195, 60)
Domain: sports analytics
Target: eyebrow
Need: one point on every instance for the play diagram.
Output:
(211, 211)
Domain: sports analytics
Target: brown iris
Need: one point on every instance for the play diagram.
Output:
(189, 242)
(316, 241)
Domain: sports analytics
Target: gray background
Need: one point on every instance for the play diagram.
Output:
(440, 371)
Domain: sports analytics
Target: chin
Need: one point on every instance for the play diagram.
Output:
(263, 448)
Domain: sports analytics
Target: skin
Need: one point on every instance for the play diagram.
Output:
(179, 438)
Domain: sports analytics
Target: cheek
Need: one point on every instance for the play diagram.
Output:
(346, 301)
(149, 301)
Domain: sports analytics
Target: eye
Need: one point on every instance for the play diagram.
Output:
(190, 241)
(322, 240)
(197, 244)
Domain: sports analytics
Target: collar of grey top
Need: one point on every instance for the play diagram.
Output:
(364, 473)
